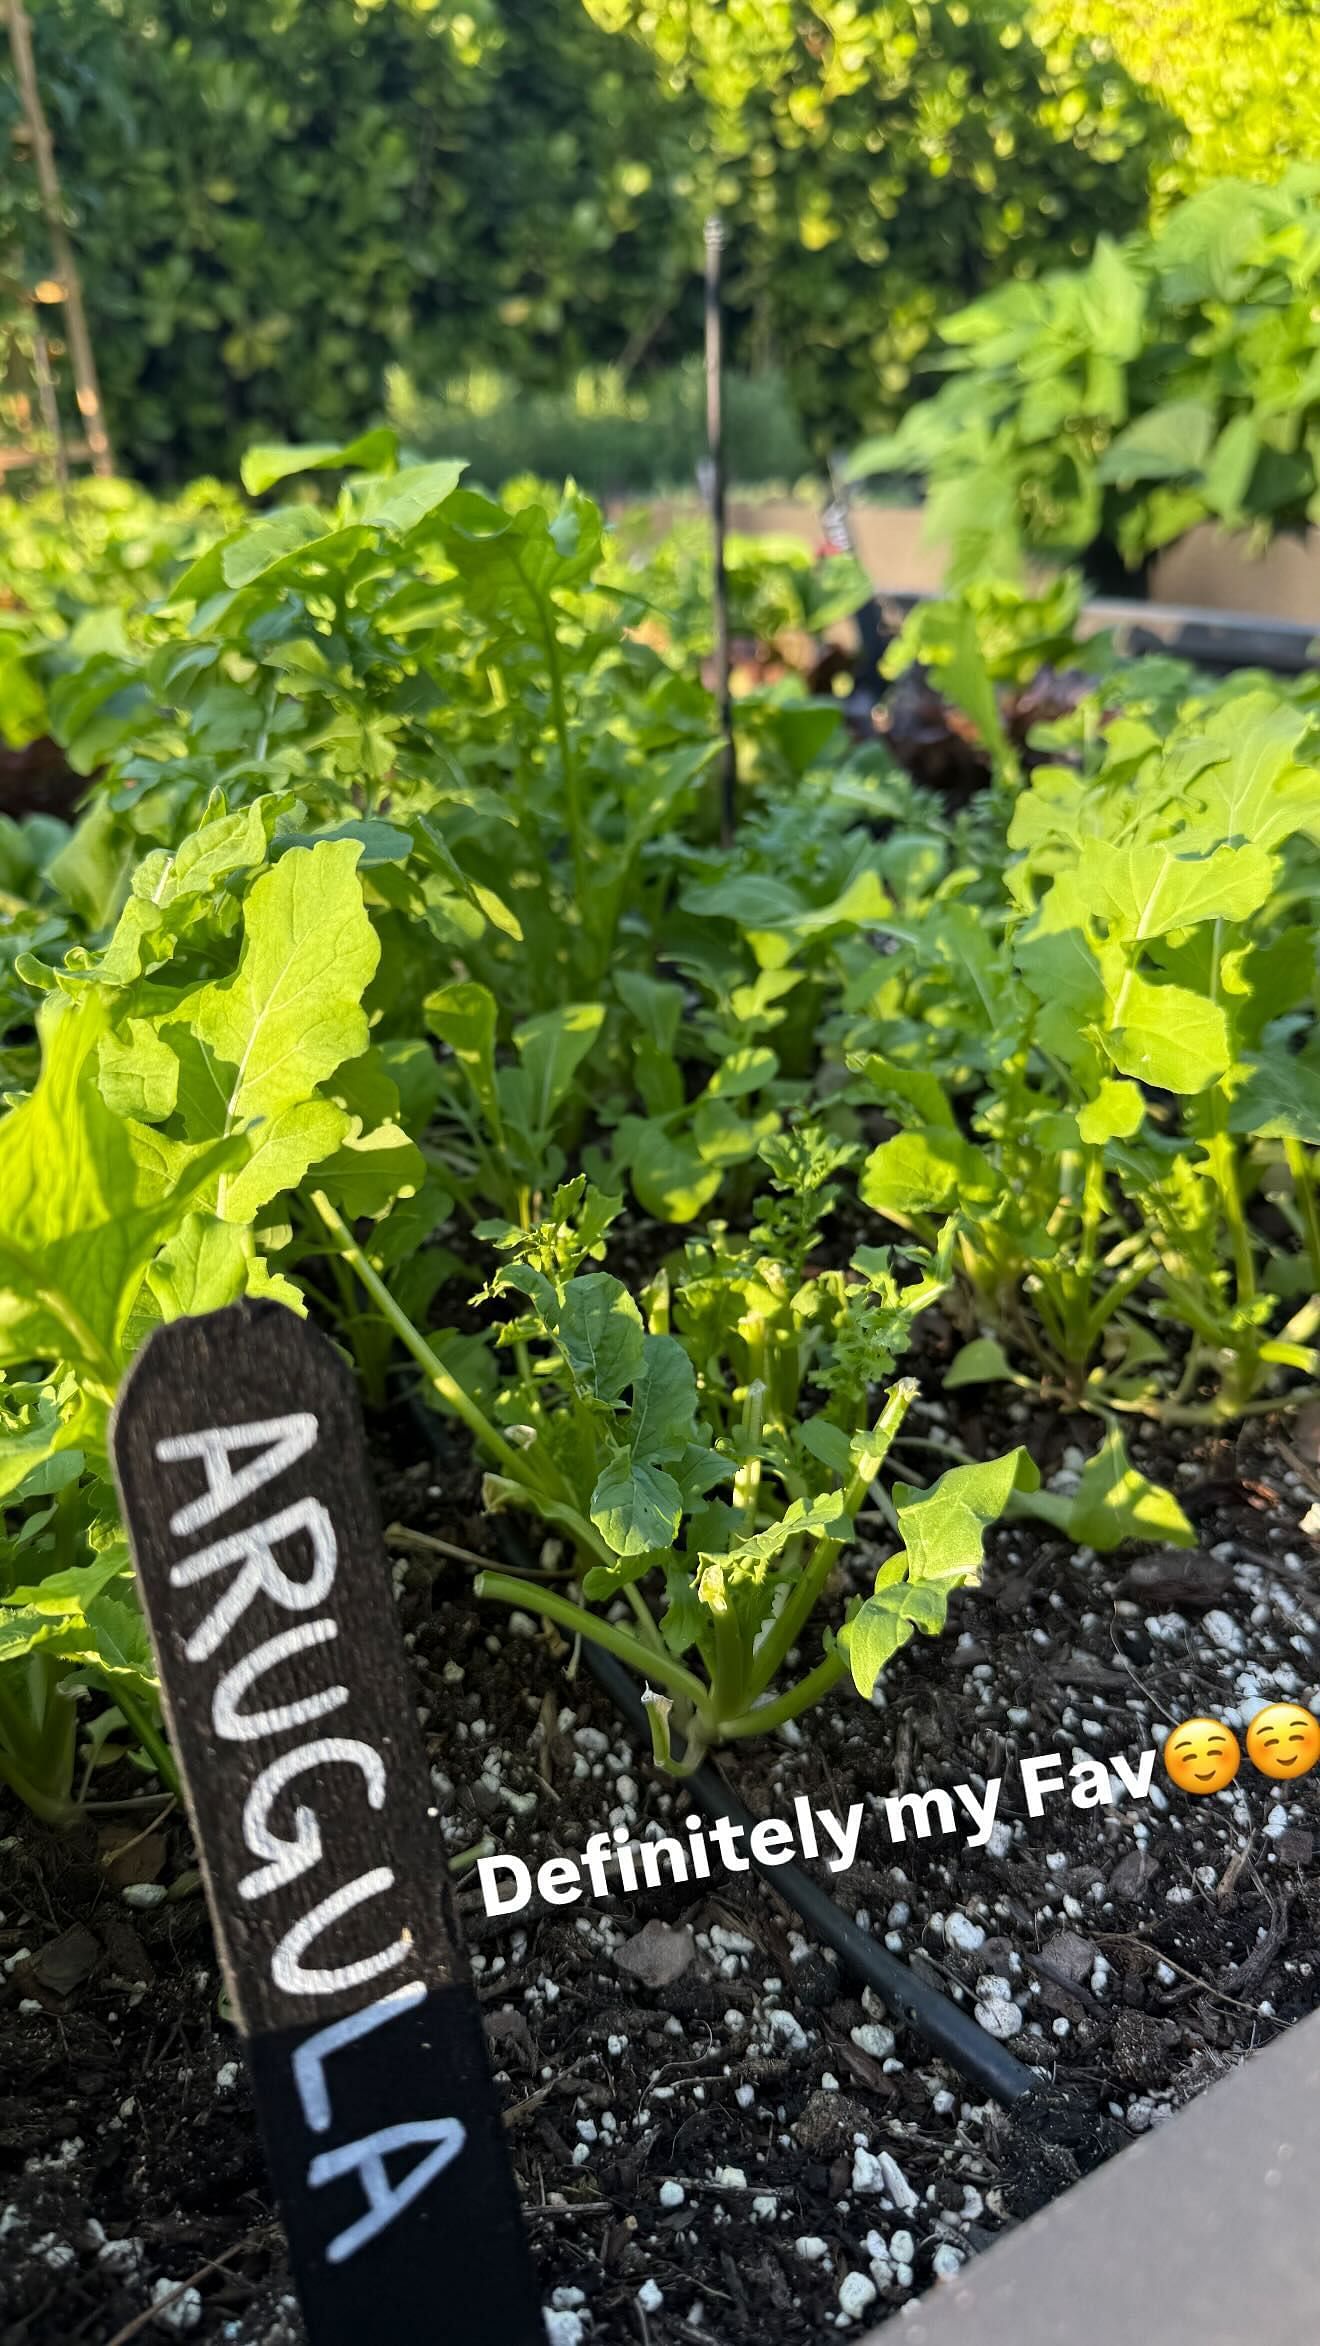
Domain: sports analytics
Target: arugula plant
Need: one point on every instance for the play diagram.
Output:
(447, 681)
(1111, 1089)
(709, 1449)
(727, 1046)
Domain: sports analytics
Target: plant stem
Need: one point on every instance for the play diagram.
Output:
(657, 1708)
(402, 1535)
(803, 1599)
(1304, 1190)
(572, 791)
(48, 1808)
(645, 1660)
(152, 1742)
(808, 1690)
(1221, 1157)
(468, 1857)
(646, 1620)
(450, 1391)
(728, 1679)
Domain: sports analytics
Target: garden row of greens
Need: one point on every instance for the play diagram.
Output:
(393, 951)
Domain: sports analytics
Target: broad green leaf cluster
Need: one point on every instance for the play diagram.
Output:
(1102, 1065)
(1173, 379)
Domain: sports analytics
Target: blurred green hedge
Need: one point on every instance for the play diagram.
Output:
(273, 199)
(881, 162)
(615, 439)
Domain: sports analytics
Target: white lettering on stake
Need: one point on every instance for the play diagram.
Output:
(290, 1858)
(310, 2059)
(385, 2200)
(286, 1438)
(286, 1965)
(255, 1551)
(249, 1726)
(278, 1443)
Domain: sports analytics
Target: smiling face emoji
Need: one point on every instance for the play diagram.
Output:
(1284, 1740)
(1203, 1755)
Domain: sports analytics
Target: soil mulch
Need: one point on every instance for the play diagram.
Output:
(717, 2139)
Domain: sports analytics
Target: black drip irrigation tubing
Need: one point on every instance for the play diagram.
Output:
(946, 2028)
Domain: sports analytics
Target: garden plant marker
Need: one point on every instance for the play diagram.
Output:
(242, 1465)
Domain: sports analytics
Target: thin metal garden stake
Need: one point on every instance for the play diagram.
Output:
(242, 1465)
(728, 767)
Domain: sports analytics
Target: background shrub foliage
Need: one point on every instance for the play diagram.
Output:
(274, 202)
(1173, 380)
(881, 163)
(1242, 77)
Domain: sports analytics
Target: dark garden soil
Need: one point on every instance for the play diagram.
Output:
(718, 2141)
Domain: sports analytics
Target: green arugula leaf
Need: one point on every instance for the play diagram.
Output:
(1114, 1502)
(884, 1622)
(942, 1529)
(600, 1332)
(636, 1506)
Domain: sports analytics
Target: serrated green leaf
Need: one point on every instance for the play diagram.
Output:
(409, 496)
(265, 464)
(139, 1073)
(82, 1211)
(1145, 890)
(1167, 1036)
(942, 1529)
(828, 1443)
(203, 1267)
(1276, 1097)
(664, 1409)
(813, 1518)
(911, 1094)
(464, 1016)
(884, 1623)
(293, 1012)
(1115, 1113)
(254, 1048)
(1114, 1502)
(924, 1172)
(68, 1593)
(551, 1048)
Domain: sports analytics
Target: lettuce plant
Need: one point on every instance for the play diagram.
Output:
(183, 1096)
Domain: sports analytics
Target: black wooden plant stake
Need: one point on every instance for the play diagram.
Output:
(241, 1462)
(728, 767)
